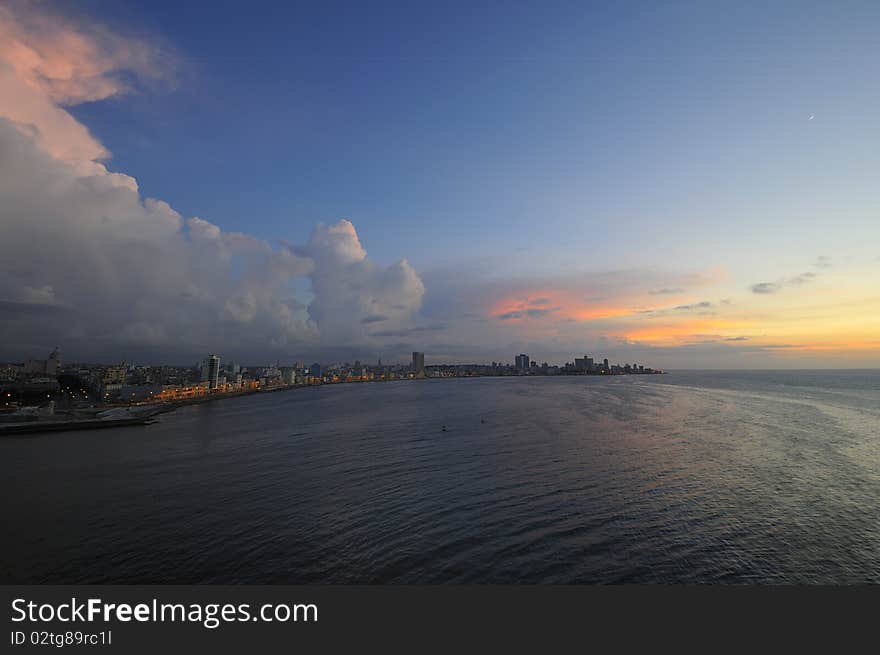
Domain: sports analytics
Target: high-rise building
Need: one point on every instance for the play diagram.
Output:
(605, 365)
(211, 371)
(418, 364)
(315, 370)
(522, 362)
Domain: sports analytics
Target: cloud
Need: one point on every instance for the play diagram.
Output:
(766, 287)
(73, 60)
(823, 262)
(664, 292)
(700, 308)
(699, 305)
(351, 292)
(133, 268)
(48, 62)
(130, 273)
(803, 278)
(576, 297)
(527, 313)
(139, 274)
(775, 287)
(549, 316)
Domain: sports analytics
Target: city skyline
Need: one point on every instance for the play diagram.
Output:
(34, 387)
(209, 366)
(297, 186)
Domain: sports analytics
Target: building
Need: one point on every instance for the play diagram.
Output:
(46, 367)
(288, 375)
(211, 371)
(522, 362)
(315, 370)
(111, 378)
(418, 364)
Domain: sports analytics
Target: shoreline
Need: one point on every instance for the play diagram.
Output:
(142, 415)
(149, 411)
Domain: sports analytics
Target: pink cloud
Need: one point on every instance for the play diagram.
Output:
(47, 62)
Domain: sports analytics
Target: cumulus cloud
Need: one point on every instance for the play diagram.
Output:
(351, 291)
(48, 62)
(73, 61)
(132, 270)
(117, 272)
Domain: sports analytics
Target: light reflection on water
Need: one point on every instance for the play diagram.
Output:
(688, 477)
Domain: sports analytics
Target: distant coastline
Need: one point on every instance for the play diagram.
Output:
(145, 413)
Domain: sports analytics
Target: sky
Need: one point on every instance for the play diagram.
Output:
(682, 184)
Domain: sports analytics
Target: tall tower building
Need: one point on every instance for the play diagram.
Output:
(212, 371)
(418, 364)
(522, 362)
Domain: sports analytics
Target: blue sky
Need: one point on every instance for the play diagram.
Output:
(463, 127)
(526, 146)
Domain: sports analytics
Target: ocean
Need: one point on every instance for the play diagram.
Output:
(689, 477)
